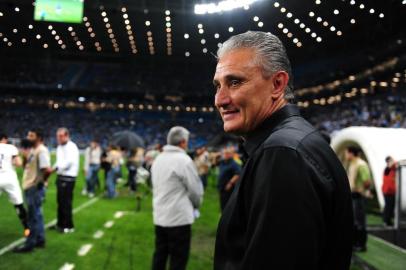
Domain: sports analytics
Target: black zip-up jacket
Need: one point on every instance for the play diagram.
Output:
(292, 207)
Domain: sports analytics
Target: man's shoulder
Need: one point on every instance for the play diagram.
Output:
(73, 145)
(42, 149)
(291, 133)
(8, 148)
(173, 157)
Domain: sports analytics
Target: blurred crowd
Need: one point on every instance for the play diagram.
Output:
(85, 125)
(386, 110)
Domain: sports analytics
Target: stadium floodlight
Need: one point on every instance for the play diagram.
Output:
(222, 6)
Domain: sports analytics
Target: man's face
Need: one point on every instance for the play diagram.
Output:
(390, 162)
(227, 154)
(200, 150)
(32, 137)
(348, 155)
(93, 144)
(62, 137)
(243, 95)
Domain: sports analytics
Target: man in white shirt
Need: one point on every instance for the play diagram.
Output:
(177, 192)
(93, 155)
(67, 168)
(9, 158)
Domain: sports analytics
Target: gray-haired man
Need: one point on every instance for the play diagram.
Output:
(177, 191)
(67, 168)
(291, 208)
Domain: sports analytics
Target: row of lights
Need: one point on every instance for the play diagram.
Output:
(131, 37)
(57, 38)
(200, 30)
(389, 64)
(285, 31)
(5, 40)
(168, 32)
(92, 34)
(354, 91)
(71, 104)
(75, 38)
(259, 23)
(122, 106)
(325, 23)
(290, 35)
(371, 10)
(203, 40)
(150, 39)
(289, 15)
(109, 30)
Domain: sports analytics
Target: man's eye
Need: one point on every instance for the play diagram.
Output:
(234, 82)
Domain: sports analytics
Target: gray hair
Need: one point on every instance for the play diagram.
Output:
(64, 130)
(176, 135)
(271, 54)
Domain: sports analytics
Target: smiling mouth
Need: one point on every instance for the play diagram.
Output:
(227, 115)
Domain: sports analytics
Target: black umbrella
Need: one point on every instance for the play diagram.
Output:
(127, 139)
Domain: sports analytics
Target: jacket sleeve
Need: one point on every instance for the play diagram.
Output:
(193, 184)
(285, 223)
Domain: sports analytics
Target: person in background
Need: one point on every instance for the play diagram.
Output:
(114, 158)
(359, 177)
(132, 165)
(67, 168)
(149, 158)
(177, 192)
(389, 190)
(151, 154)
(9, 158)
(203, 164)
(37, 168)
(105, 165)
(93, 155)
(229, 173)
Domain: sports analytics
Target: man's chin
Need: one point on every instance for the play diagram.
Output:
(232, 128)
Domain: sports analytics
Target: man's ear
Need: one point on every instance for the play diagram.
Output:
(280, 81)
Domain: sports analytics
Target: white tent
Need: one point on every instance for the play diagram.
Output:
(376, 144)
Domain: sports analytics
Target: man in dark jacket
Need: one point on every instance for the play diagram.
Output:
(291, 208)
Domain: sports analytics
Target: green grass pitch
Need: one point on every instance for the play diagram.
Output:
(69, 11)
(129, 243)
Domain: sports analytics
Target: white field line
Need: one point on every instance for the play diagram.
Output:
(84, 249)
(119, 214)
(98, 234)
(388, 244)
(67, 266)
(49, 224)
(109, 224)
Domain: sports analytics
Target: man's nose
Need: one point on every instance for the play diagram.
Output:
(222, 98)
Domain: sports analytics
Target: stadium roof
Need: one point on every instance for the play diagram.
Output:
(309, 28)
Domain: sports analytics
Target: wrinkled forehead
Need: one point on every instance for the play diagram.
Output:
(237, 60)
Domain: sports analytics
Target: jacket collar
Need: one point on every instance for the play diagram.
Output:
(255, 138)
(173, 148)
